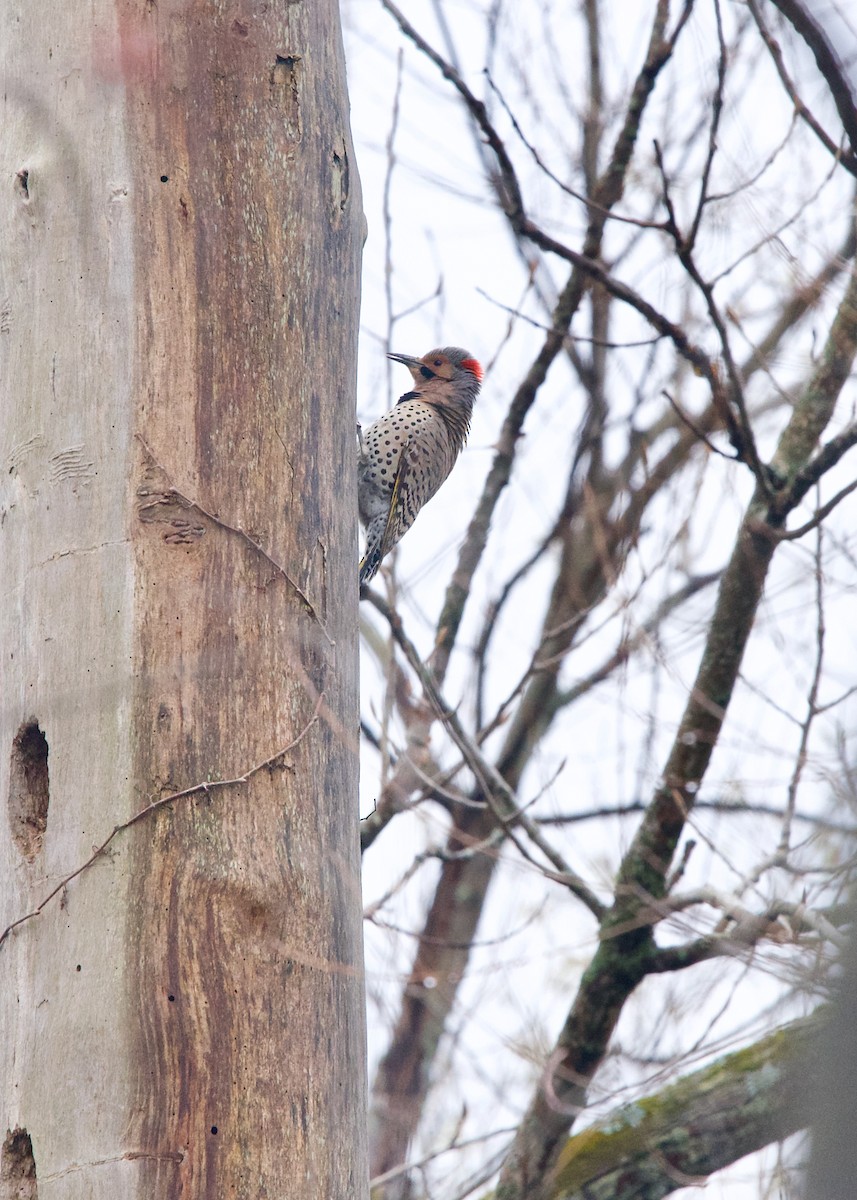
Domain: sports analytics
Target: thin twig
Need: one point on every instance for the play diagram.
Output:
(245, 537)
(703, 437)
(826, 60)
(387, 217)
(793, 535)
(801, 108)
(593, 205)
(455, 1144)
(811, 702)
(572, 337)
(494, 787)
(154, 806)
(372, 910)
(716, 113)
(739, 428)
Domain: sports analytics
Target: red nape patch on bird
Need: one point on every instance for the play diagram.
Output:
(470, 364)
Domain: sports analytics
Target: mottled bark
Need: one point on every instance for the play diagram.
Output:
(699, 1125)
(180, 256)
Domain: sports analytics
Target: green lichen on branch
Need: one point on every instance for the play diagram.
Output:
(698, 1125)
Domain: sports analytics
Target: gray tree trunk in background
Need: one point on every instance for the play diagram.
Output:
(179, 282)
(832, 1089)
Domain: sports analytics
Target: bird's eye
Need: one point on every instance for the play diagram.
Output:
(438, 362)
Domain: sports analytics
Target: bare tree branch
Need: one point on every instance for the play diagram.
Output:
(736, 1105)
(621, 961)
(827, 61)
(848, 160)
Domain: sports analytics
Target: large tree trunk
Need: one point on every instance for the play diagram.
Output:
(179, 256)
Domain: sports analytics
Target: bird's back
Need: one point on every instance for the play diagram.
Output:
(430, 457)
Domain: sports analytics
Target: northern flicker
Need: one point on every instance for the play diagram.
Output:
(408, 453)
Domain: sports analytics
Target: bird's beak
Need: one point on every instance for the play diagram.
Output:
(412, 363)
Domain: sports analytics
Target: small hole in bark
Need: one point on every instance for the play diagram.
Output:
(214, 1129)
(18, 1167)
(165, 179)
(28, 789)
(23, 178)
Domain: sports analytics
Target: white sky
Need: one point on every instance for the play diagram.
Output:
(445, 235)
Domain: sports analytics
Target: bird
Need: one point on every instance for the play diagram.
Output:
(406, 455)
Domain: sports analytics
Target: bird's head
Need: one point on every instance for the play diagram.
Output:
(442, 375)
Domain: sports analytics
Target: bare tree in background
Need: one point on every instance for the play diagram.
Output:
(675, 431)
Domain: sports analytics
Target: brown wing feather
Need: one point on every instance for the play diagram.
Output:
(400, 517)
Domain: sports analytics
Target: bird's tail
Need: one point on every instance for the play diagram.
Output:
(369, 563)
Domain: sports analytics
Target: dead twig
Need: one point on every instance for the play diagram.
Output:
(245, 537)
(207, 787)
